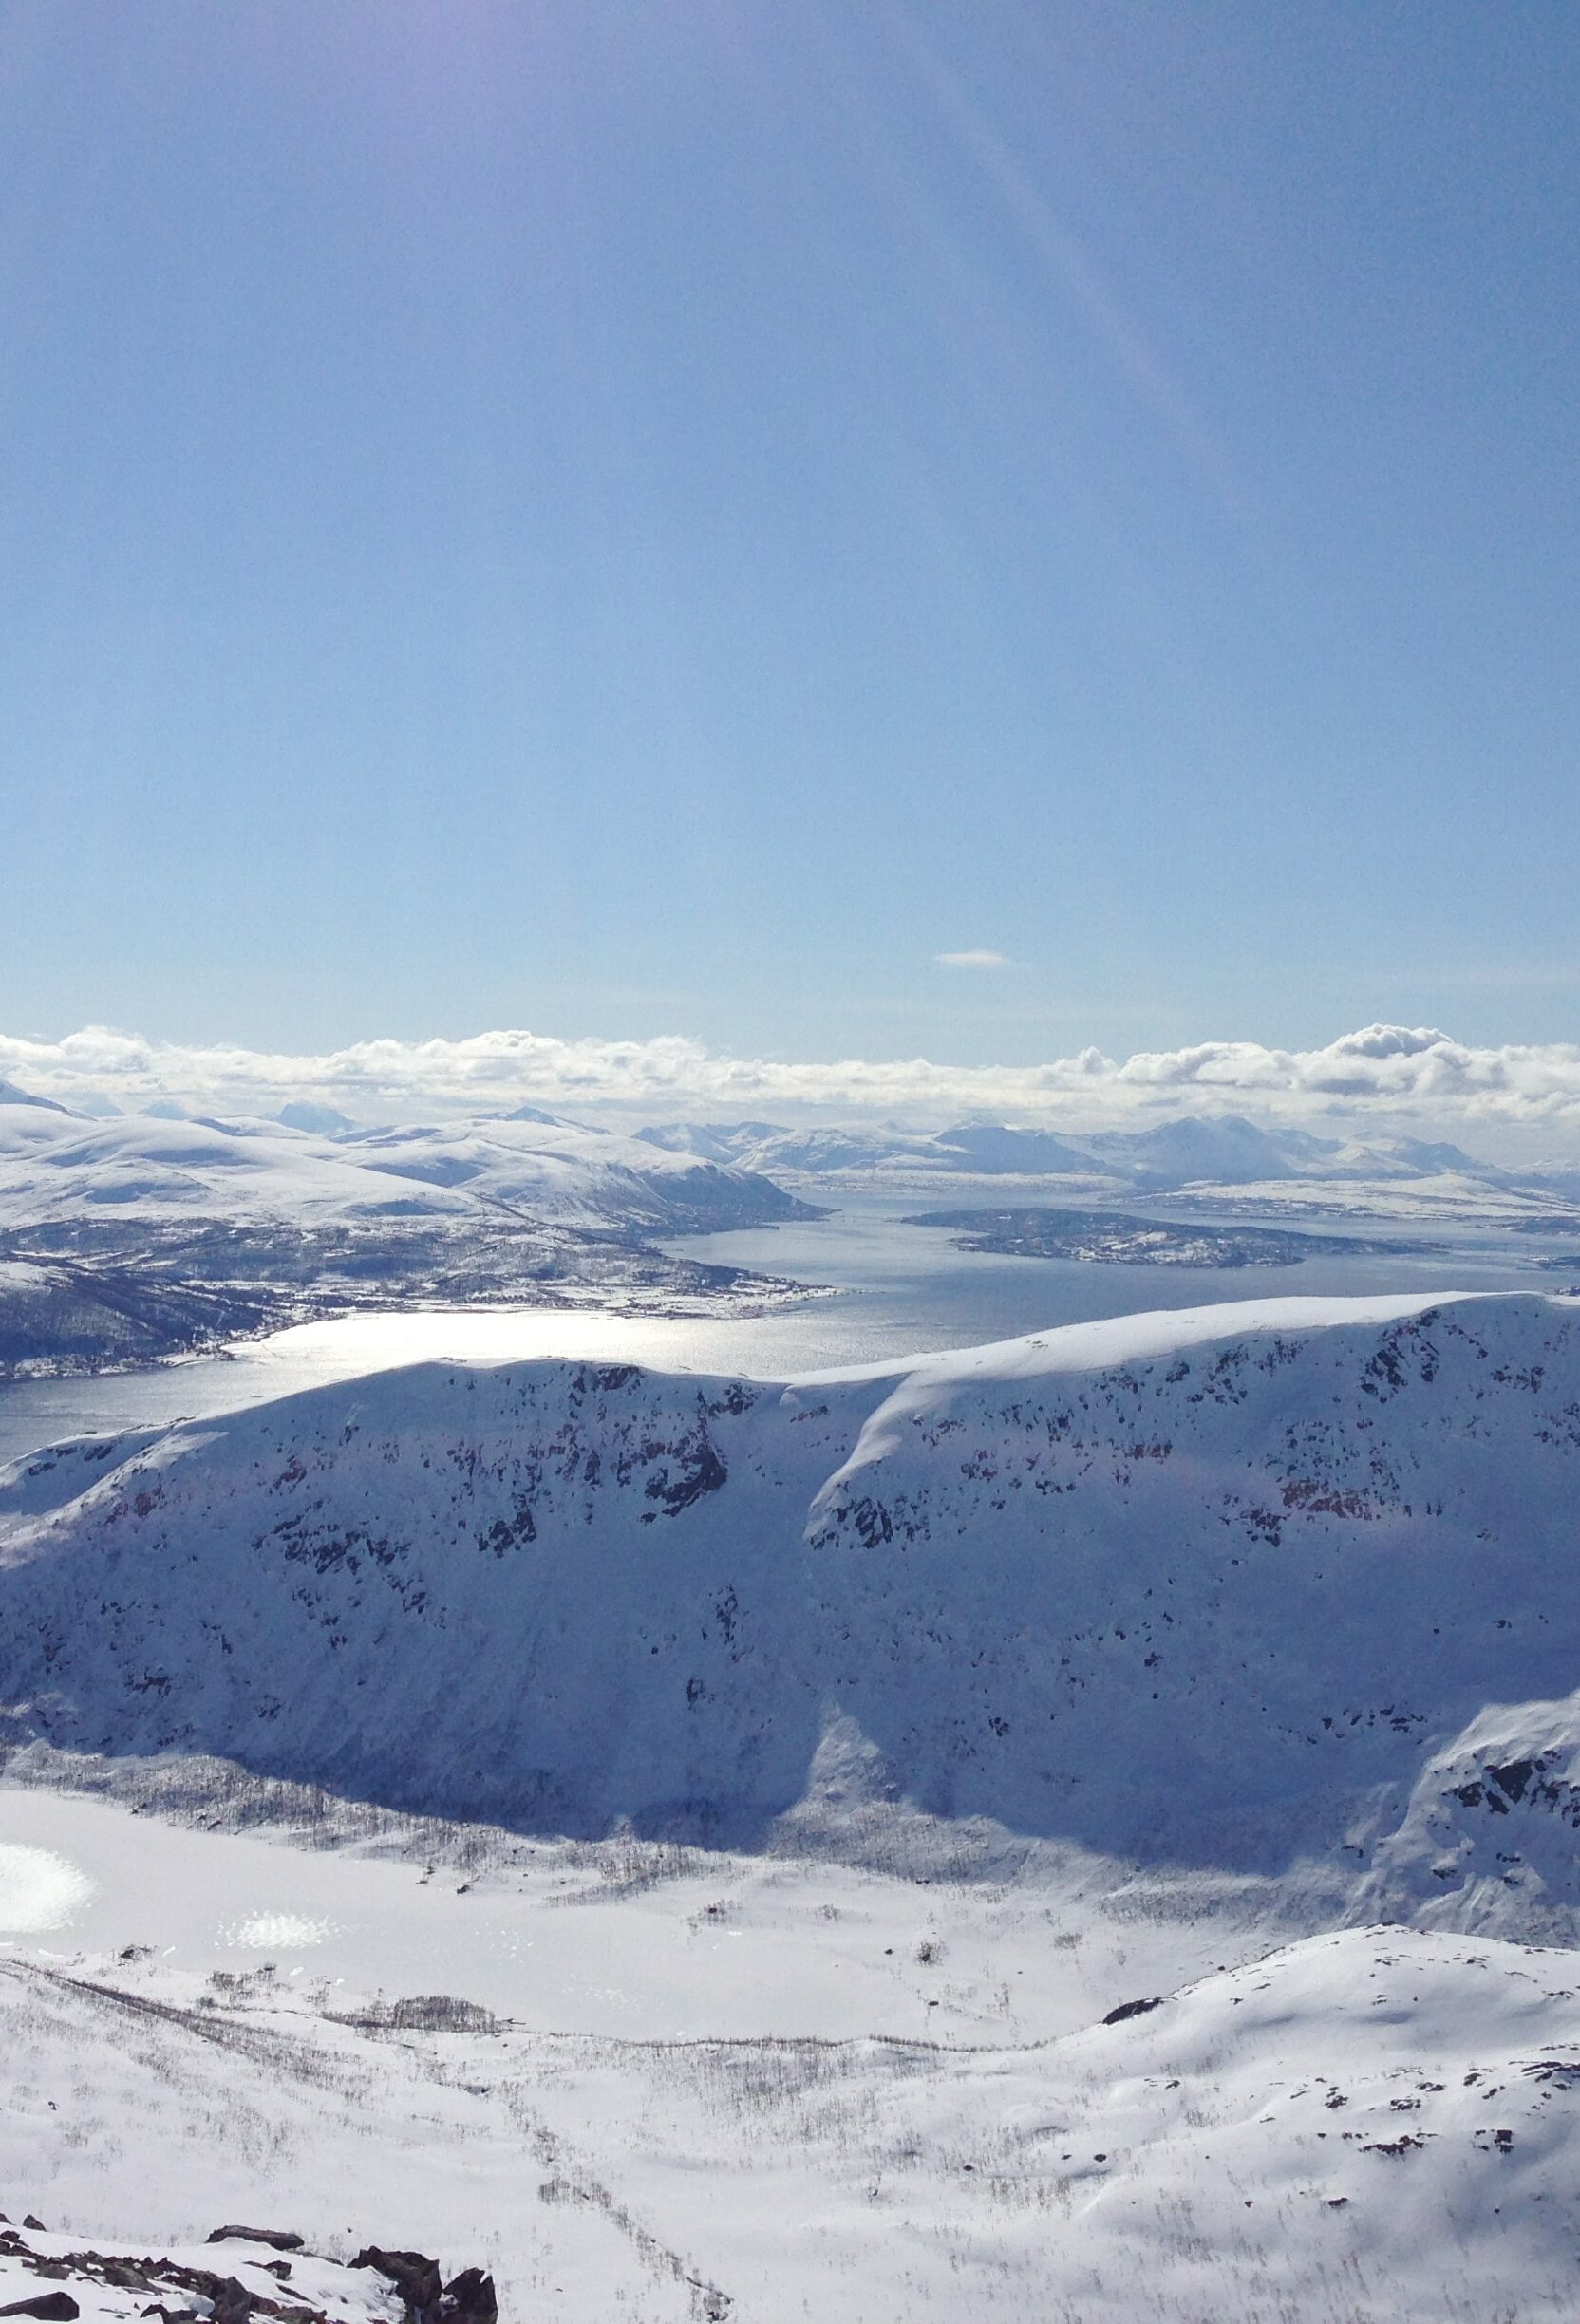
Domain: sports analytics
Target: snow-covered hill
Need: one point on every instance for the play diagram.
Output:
(56, 1166)
(1362, 2128)
(59, 1315)
(1226, 1588)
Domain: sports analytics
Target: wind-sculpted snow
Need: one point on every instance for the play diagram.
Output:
(1222, 1588)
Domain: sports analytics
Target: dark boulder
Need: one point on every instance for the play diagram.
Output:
(233, 2302)
(470, 2298)
(413, 2274)
(277, 2239)
(1133, 2009)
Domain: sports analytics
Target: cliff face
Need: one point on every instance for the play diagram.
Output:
(1231, 1588)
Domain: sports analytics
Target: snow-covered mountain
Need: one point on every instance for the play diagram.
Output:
(1224, 1148)
(12, 1096)
(996, 1150)
(1193, 1151)
(987, 1148)
(1152, 1747)
(56, 1166)
(767, 1146)
(321, 1120)
(1227, 1587)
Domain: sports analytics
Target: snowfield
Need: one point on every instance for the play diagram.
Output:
(1372, 2125)
(1072, 1829)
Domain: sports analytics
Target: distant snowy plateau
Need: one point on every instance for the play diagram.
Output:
(1084, 1829)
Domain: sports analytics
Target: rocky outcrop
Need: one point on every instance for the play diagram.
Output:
(174, 2287)
(467, 2299)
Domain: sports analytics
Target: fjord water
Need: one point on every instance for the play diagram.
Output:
(903, 1290)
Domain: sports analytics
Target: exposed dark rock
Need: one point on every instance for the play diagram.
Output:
(470, 2298)
(278, 2239)
(177, 2294)
(1133, 2009)
(413, 2274)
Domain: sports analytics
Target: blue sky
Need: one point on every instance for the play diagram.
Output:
(632, 519)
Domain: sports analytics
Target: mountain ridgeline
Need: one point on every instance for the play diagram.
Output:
(1235, 1588)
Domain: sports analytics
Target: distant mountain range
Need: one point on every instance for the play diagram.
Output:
(1220, 1149)
(668, 1174)
(124, 1237)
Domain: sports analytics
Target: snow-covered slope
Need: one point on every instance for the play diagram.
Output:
(56, 1315)
(1139, 1646)
(1441, 1199)
(1360, 2128)
(1217, 1588)
(12, 1096)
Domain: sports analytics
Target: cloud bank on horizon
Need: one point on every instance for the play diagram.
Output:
(1381, 1071)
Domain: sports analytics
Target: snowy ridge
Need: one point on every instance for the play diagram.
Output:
(1220, 1164)
(1222, 1588)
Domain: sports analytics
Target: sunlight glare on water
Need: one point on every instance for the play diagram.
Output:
(39, 1891)
(284, 1932)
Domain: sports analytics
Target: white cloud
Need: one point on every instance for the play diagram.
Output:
(1382, 1072)
(971, 960)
